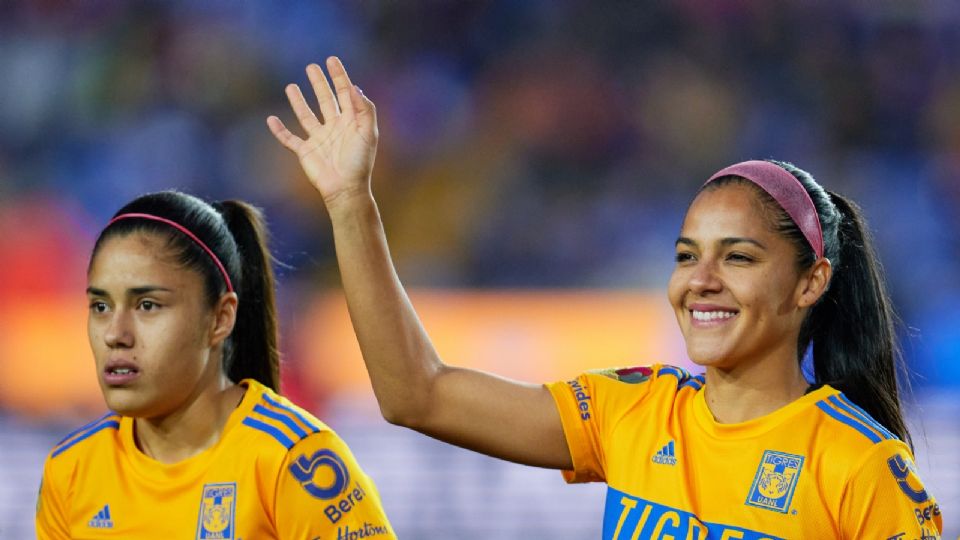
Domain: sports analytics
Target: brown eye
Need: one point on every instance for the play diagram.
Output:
(98, 307)
(683, 257)
(149, 305)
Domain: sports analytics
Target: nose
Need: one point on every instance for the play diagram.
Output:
(704, 279)
(119, 331)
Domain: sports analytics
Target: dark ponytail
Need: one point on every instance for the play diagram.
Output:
(851, 328)
(235, 232)
(252, 349)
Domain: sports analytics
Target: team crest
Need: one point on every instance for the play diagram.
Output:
(217, 507)
(776, 479)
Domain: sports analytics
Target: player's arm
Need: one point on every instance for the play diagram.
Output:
(886, 498)
(323, 493)
(476, 410)
(51, 521)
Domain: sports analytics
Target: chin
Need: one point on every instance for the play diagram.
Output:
(707, 356)
(125, 402)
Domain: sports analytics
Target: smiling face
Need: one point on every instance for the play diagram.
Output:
(736, 291)
(151, 329)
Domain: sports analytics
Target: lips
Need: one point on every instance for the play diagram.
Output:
(120, 372)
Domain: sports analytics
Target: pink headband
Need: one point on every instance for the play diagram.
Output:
(185, 231)
(787, 191)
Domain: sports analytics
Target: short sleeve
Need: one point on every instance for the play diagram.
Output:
(588, 406)
(51, 521)
(887, 499)
(322, 492)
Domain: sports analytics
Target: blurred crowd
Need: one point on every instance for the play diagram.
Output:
(539, 143)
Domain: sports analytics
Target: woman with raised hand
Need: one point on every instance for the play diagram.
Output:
(769, 266)
(197, 443)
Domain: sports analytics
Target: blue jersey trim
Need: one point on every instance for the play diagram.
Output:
(287, 421)
(269, 430)
(692, 383)
(868, 433)
(681, 375)
(108, 424)
(83, 427)
(315, 428)
(852, 408)
(670, 370)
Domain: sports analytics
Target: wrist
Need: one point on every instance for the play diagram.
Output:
(348, 201)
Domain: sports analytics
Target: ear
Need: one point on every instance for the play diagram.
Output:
(814, 283)
(224, 318)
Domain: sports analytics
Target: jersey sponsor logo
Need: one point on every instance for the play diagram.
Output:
(924, 535)
(102, 519)
(927, 514)
(345, 505)
(583, 400)
(776, 480)
(902, 470)
(367, 531)
(666, 455)
(323, 475)
(217, 509)
(627, 517)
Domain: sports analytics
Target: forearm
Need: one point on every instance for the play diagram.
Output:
(400, 359)
(414, 389)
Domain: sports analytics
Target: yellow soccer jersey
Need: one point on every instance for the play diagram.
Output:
(276, 473)
(819, 467)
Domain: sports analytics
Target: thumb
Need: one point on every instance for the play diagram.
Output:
(365, 110)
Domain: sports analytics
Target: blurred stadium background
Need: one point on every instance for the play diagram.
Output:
(536, 158)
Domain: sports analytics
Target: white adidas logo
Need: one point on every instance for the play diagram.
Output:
(102, 520)
(666, 455)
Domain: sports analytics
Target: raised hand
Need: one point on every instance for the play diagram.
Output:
(341, 144)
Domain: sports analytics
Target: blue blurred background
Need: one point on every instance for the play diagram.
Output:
(535, 145)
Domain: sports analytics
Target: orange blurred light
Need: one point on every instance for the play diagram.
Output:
(534, 336)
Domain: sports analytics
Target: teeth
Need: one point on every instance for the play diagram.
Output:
(122, 371)
(712, 315)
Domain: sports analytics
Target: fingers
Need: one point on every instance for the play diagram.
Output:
(341, 81)
(280, 131)
(348, 102)
(328, 105)
(300, 108)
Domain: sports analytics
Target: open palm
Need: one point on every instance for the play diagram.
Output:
(341, 142)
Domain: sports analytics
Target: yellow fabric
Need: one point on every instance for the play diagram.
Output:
(816, 468)
(248, 486)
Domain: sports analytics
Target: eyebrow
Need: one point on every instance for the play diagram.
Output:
(724, 242)
(133, 291)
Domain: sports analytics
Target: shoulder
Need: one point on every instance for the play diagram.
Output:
(278, 424)
(85, 442)
(659, 376)
(88, 435)
(621, 389)
(849, 425)
(850, 440)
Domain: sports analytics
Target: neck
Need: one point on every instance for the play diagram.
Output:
(192, 428)
(751, 390)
